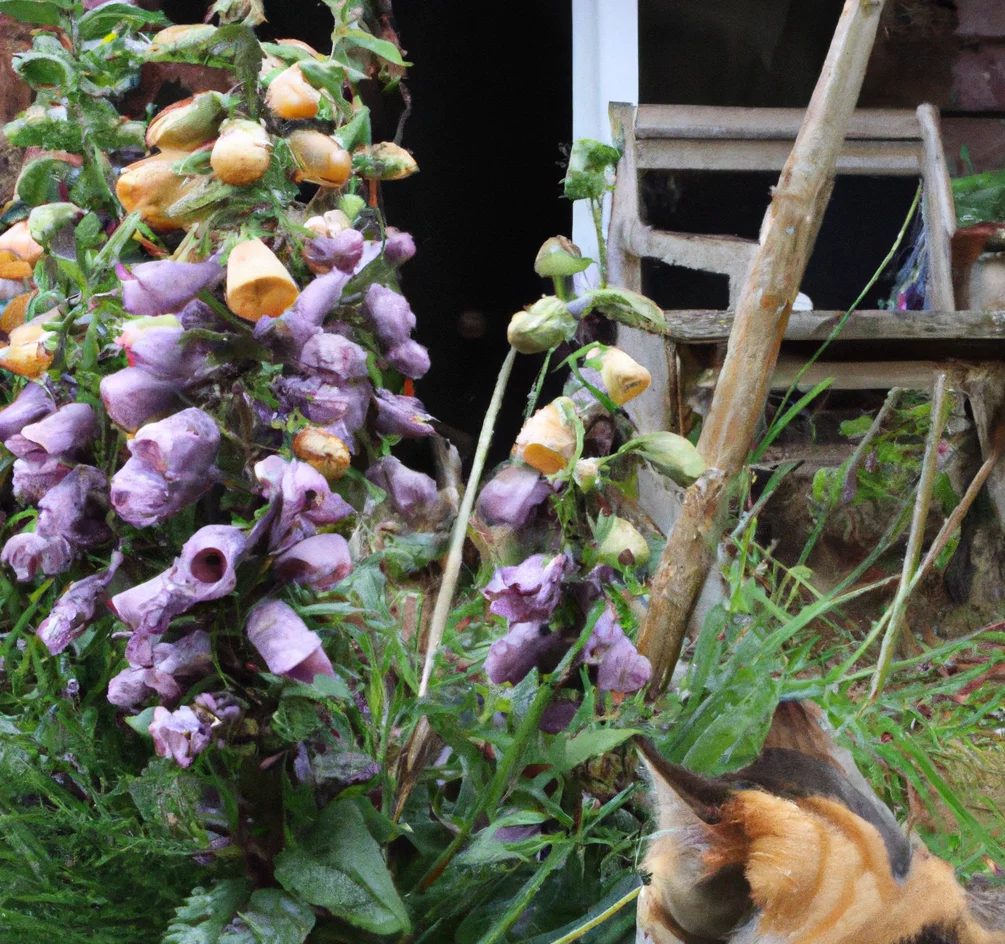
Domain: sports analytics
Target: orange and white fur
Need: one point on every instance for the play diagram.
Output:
(796, 849)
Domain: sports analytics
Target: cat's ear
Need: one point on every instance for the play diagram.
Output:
(702, 795)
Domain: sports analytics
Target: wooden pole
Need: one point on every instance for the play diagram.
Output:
(787, 237)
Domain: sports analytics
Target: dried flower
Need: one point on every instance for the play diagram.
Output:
(620, 667)
(75, 509)
(548, 439)
(187, 124)
(242, 153)
(392, 318)
(28, 552)
(528, 592)
(189, 657)
(290, 95)
(320, 159)
(409, 492)
(322, 450)
(132, 397)
(26, 352)
(541, 326)
(32, 404)
(171, 466)
(257, 282)
(46, 450)
(524, 647)
(401, 416)
(18, 240)
(320, 562)
(512, 494)
(179, 734)
(73, 611)
(158, 288)
(621, 545)
(285, 643)
(410, 358)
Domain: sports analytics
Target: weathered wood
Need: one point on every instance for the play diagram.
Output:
(864, 375)
(766, 124)
(939, 211)
(875, 158)
(787, 237)
(707, 326)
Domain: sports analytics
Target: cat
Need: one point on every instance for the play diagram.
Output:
(796, 849)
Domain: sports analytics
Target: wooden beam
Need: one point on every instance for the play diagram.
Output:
(765, 124)
(713, 327)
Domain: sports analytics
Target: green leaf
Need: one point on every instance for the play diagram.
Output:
(141, 723)
(339, 867)
(590, 172)
(272, 917)
(44, 70)
(566, 754)
(380, 47)
(39, 180)
(110, 16)
(673, 455)
(204, 915)
(627, 307)
(327, 76)
(34, 11)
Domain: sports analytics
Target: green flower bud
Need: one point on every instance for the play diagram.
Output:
(585, 473)
(671, 454)
(351, 204)
(183, 38)
(559, 257)
(384, 161)
(49, 218)
(188, 124)
(542, 326)
(621, 544)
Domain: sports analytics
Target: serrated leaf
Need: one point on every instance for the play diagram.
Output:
(339, 867)
(272, 917)
(379, 47)
(566, 754)
(109, 16)
(34, 11)
(204, 915)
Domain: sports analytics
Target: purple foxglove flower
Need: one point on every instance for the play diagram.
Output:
(205, 570)
(410, 358)
(166, 353)
(299, 322)
(399, 247)
(342, 251)
(409, 492)
(334, 357)
(528, 592)
(36, 475)
(320, 562)
(132, 397)
(75, 509)
(73, 611)
(512, 494)
(188, 658)
(288, 647)
(31, 404)
(524, 647)
(171, 466)
(28, 552)
(158, 288)
(179, 734)
(620, 668)
(401, 416)
(65, 432)
(197, 314)
(305, 501)
(133, 685)
(390, 314)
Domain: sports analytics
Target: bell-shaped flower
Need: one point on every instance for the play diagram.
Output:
(528, 592)
(165, 286)
(304, 499)
(333, 357)
(512, 494)
(133, 396)
(188, 658)
(46, 450)
(179, 734)
(342, 408)
(401, 416)
(29, 552)
(399, 247)
(341, 251)
(171, 466)
(620, 667)
(283, 640)
(524, 647)
(409, 358)
(319, 562)
(205, 570)
(301, 320)
(72, 613)
(390, 314)
(32, 404)
(409, 492)
(169, 353)
(75, 509)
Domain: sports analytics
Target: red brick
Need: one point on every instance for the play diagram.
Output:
(979, 79)
(983, 19)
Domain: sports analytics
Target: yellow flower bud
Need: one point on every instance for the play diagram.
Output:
(26, 353)
(624, 378)
(18, 240)
(242, 153)
(384, 161)
(323, 450)
(320, 158)
(622, 544)
(542, 326)
(14, 312)
(548, 439)
(290, 95)
(151, 187)
(257, 282)
(187, 124)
